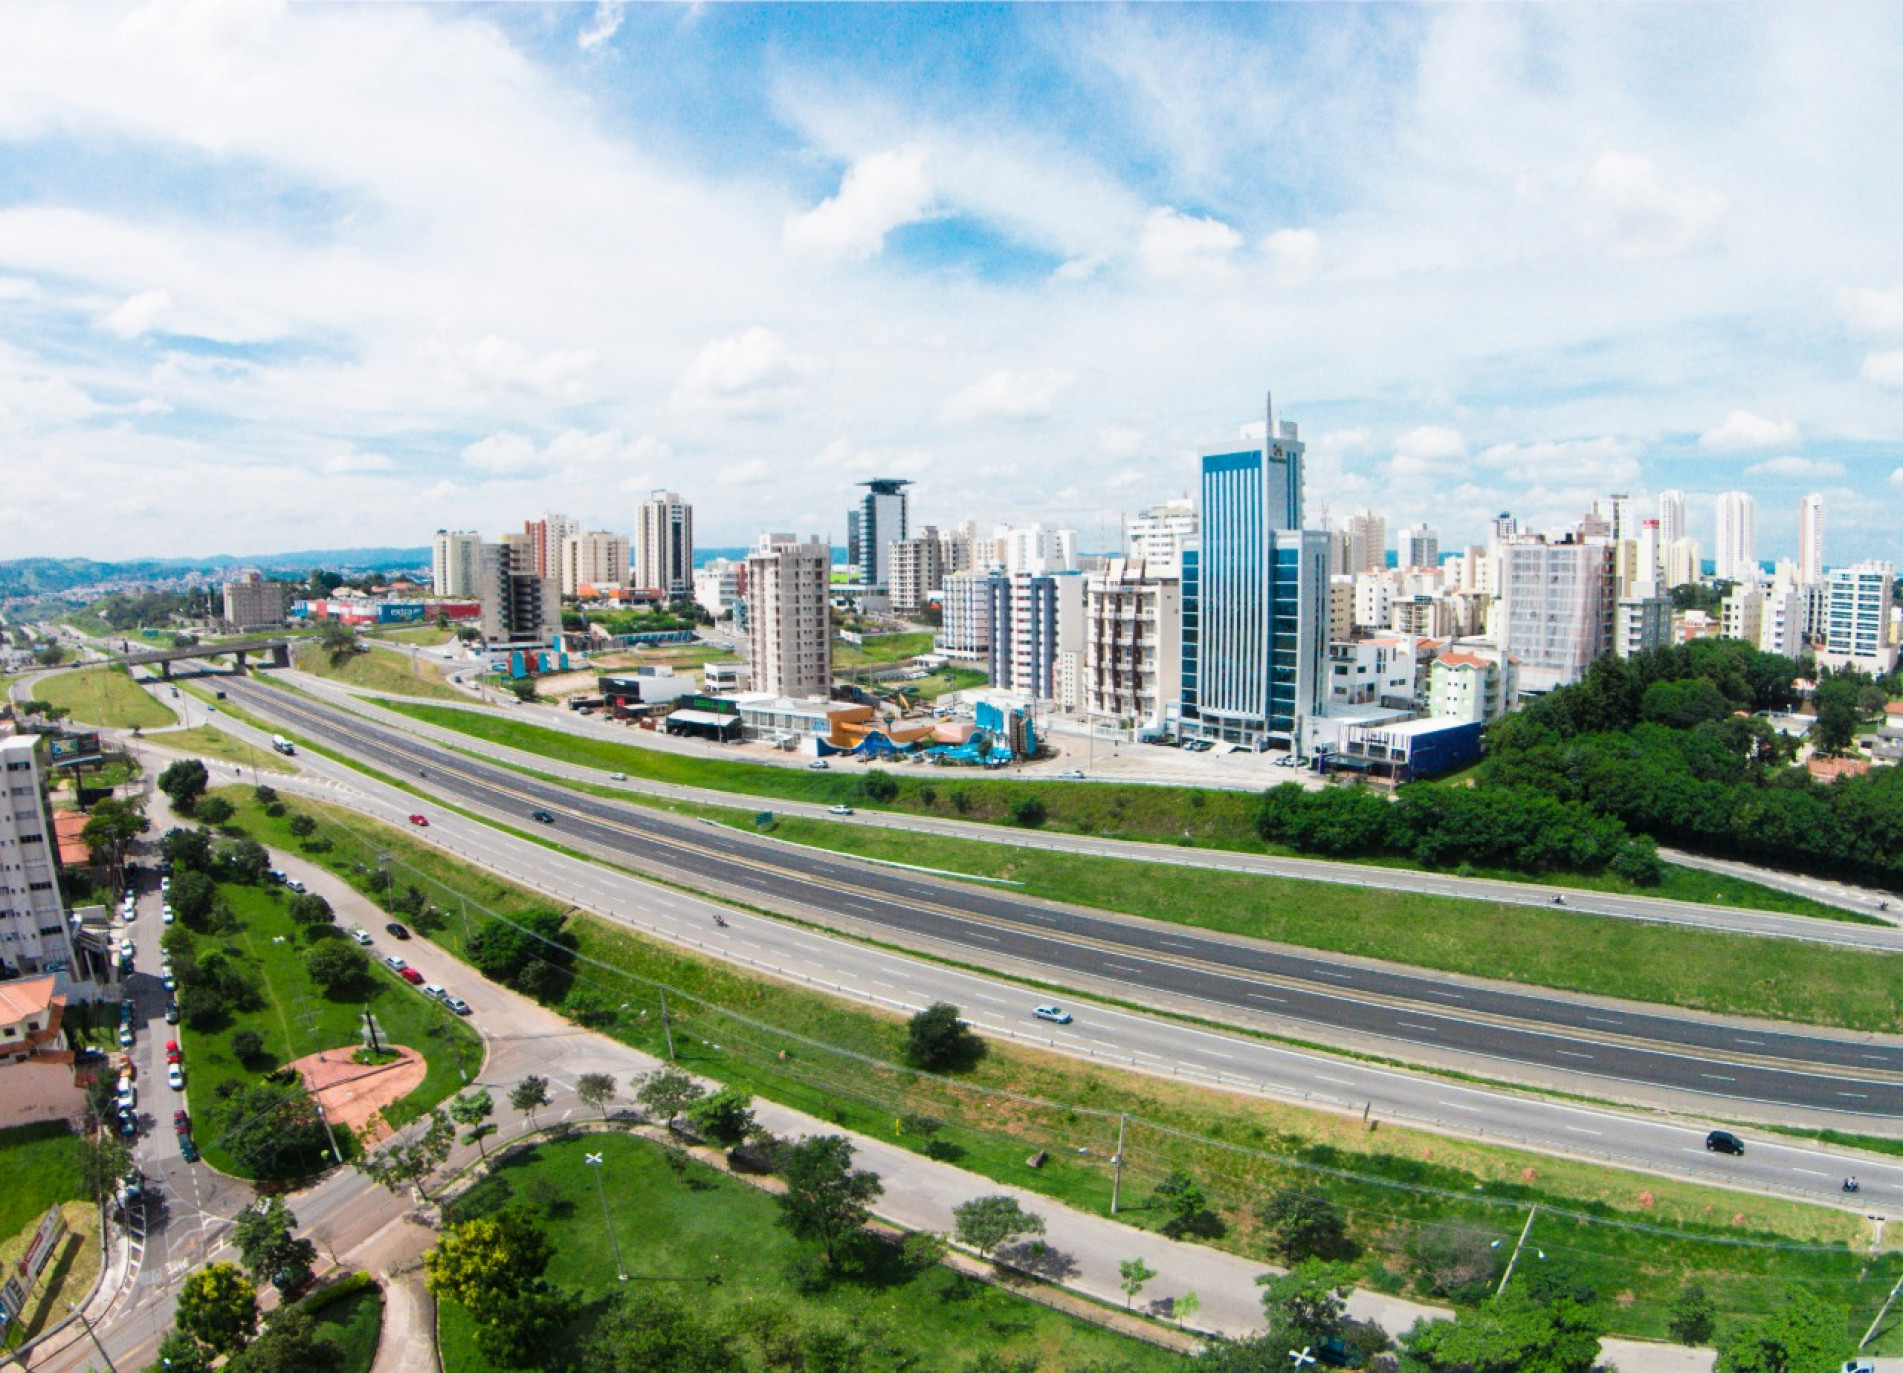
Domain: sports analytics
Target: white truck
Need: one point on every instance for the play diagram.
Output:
(283, 745)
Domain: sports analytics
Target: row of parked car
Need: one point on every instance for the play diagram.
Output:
(402, 969)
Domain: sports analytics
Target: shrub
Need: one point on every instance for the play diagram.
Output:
(247, 1045)
(1029, 812)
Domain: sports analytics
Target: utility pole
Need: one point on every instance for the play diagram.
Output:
(94, 1337)
(667, 1025)
(1526, 1229)
(1883, 1311)
(595, 1164)
(1116, 1178)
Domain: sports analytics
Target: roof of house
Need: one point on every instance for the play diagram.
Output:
(18, 1000)
(73, 851)
(1464, 660)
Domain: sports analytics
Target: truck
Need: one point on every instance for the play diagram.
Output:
(283, 745)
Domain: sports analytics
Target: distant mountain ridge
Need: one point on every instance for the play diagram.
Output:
(47, 576)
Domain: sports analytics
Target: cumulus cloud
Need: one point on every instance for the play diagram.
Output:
(503, 454)
(1594, 465)
(493, 360)
(1177, 246)
(1081, 268)
(137, 314)
(878, 194)
(1426, 449)
(1795, 467)
(603, 26)
(751, 472)
(1875, 312)
(749, 373)
(1743, 430)
(341, 464)
(1885, 369)
(1007, 395)
(1634, 213)
(1293, 256)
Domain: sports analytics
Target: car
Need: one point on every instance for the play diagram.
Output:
(617, 777)
(128, 1124)
(187, 1150)
(1072, 775)
(182, 1121)
(432, 990)
(212, 708)
(125, 1036)
(361, 936)
(541, 817)
(125, 1012)
(1057, 1015)
(127, 949)
(394, 930)
(167, 917)
(1860, 1366)
(395, 961)
(128, 1097)
(172, 1052)
(420, 821)
(839, 810)
(165, 883)
(294, 884)
(456, 1004)
(133, 1188)
(175, 1075)
(1724, 1142)
(168, 980)
(819, 765)
(411, 976)
(171, 1013)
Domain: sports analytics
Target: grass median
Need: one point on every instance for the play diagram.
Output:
(1636, 1236)
(378, 669)
(208, 741)
(103, 696)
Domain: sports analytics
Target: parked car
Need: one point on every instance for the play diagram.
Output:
(182, 1121)
(167, 917)
(456, 1004)
(394, 930)
(819, 765)
(175, 1076)
(171, 1013)
(187, 1150)
(395, 962)
(411, 976)
(839, 810)
(168, 980)
(1724, 1142)
(542, 817)
(432, 990)
(421, 821)
(172, 1052)
(362, 936)
(1057, 1015)
(294, 884)
(128, 1124)
(133, 1188)
(125, 1036)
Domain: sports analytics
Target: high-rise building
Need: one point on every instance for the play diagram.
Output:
(1810, 540)
(598, 558)
(1735, 556)
(1156, 537)
(1684, 561)
(1133, 642)
(1420, 547)
(1742, 614)
(1623, 512)
(1036, 617)
(664, 545)
(545, 542)
(965, 598)
(1505, 527)
(917, 570)
(1672, 526)
(251, 602)
(519, 605)
(34, 934)
(1856, 626)
(456, 562)
(788, 617)
(1255, 600)
(1367, 542)
(1781, 627)
(1035, 548)
(1641, 623)
(872, 529)
(1557, 608)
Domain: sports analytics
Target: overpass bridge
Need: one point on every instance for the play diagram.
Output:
(275, 652)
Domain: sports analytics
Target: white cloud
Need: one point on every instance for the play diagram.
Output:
(1177, 246)
(1743, 430)
(503, 454)
(1795, 467)
(1896, 477)
(1635, 214)
(1007, 395)
(137, 314)
(752, 472)
(1885, 369)
(879, 193)
(1293, 256)
(603, 26)
(341, 464)
(1427, 449)
(1875, 312)
(1081, 268)
(493, 360)
(750, 373)
(1580, 467)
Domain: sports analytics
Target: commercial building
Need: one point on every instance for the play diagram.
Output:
(1810, 540)
(1035, 617)
(519, 605)
(456, 563)
(877, 524)
(664, 545)
(1557, 608)
(965, 598)
(1856, 624)
(545, 537)
(788, 619)
(598, 558)
(1406, 750)
(34, 936)
(1133, 643)
(1735, 557)
(917, 571)
(252, 603)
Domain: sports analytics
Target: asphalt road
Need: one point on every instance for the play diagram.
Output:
(1682, 1054)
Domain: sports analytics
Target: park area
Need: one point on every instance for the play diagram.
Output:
(103, 696)
(42, 1169)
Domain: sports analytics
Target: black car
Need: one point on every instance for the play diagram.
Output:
(542, 816)
(1724, 1142)
(396, 931)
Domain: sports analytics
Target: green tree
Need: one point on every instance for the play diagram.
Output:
(666, 1092)
(938, 1037)
(1692, 1318)
(243, 860)
(1133, 1276)
(1805, 1336)
(103, 1160)
(186, 849)
(1306, 1303)
(1184, 1201)
(1302, 1223)
(1030, 812)
(181, 1353)
(1509, 1335)
(878, 785)
(308, 908)
(288, 1344)
(987, 1222)
(218, 1307)
(1835, 702)
(247, 1045)
(596, 1090)
(472, 1110)
(302, 826)
(213, 810)
(529, 1096)
(336, 966)
(493, 1265)
(408, 1162)
(183, 782)
(273, 1128)
(724, 1118)
(111, 829)
(657, 1332)
(267, 1248)
(826, 1198)
(193, 896)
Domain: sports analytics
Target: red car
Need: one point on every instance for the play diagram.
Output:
(172, 1051)
(422, 820)
(412, 976)
(182, 1122)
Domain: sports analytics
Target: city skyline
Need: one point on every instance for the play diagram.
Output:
(1495, 258)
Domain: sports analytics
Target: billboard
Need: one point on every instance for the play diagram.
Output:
(40, 1250)
(64, 750)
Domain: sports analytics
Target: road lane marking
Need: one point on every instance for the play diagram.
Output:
(1264, 996)
(1410, 1025)
(1582, 1130)
(1568, 1053)
(1715, 1077)
(1457, 1106)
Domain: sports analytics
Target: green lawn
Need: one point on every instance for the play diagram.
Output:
(702, 1223)
(41, 1164)
(104, 696)
(209, 741)
(351, 1324)
(298, 1018)
(427, 636)
(880, 650)
(379, 669)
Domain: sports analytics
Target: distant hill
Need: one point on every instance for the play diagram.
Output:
(49, 576)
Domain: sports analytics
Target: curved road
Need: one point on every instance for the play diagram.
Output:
(1810, 1071)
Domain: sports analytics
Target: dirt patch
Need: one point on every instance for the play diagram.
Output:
(351, 1093)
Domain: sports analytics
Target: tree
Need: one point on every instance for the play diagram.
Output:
(1509, 1335)
(308, 908)
(878, 785)
(532, 954)
(289, 1344)
(403, 1163)
(987, 1222)
(1692, 1318)
(724, 1118)
(471, 1110)
(268, 1250)
(275, 1129)
(529, 1096)
(1185, 1307)
(1133, 1275)
(336, 966)
(1806, 1336)
(103, 1160)
(245, 861)
(1835, 702)
(183, 782)
(493, 1265)
(1307, 1302)
(938, 1037)
(111, 828)
(218, 1307)
(597, 1090)
(214, 810)
(1030, 812)
(186, 850)
(193, 896)
(181, 1353)
(1303, 1223)
(666, 1092)
(1183, 1198)
(826, 1197)
(302, 826)
(657, 1332)
(52, 655)
(247, 1045)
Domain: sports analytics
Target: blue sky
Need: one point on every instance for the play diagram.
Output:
(327, 275)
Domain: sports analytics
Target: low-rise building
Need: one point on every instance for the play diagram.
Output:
(30, 1013)
(1410, 749)
(1464, 684)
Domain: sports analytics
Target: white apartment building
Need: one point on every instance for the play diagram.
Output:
(1684, 560)
(1471, 684)
(664, 545)
(251, 602)
(1641, 623)
(34, 934)
(1036, 549)
(915, 570)
(1782, 624)
(1133, 643)
(1856, 625)
(1374, 600)
(788, 620)
(1367, 542)
(1556, 612)
(1035, 618)
(1736, 555)
(1157, 537)
(1420, 547)
(1672, 526)
(456, 563)
(965, 598)
(1373, 672)
(1810, 540)
(1742, 615)
(719, 584)
(598, 558)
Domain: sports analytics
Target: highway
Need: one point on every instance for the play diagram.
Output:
(1144, 961)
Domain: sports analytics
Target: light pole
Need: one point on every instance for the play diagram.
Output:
(95, 1338)
(594, 1162)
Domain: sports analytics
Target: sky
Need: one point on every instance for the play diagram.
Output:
(278, 277)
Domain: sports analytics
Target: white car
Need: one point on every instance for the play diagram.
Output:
(166, 977)
(395, 961)
(175, 1075)
(127, 949)
(168, 917)
(617, 777)
(361, 936)
(125, 1036)
(839, 810)
(128, 1097)
(1057, 1015)
(165, 884)
(1071, 776)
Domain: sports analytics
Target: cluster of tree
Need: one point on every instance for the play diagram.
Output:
(532, 954)
(111, 829)
(939, 1039)
(494, 1265)
(124, 611)
(273, 1126)
(1669, 756)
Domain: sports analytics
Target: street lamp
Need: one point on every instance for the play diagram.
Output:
(594, 1162)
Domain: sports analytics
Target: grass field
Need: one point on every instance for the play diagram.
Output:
(208, 741)
(41, 1164)
(351, 1325)
(702, 1222)
(298, 1018)
(379, 669)
(880, 650)
(104, 696)
(426, 636)
(1189, 817)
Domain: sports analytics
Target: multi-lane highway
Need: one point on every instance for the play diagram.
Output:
(1144, 960)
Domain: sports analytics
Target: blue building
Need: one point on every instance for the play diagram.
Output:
(1255, 600)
